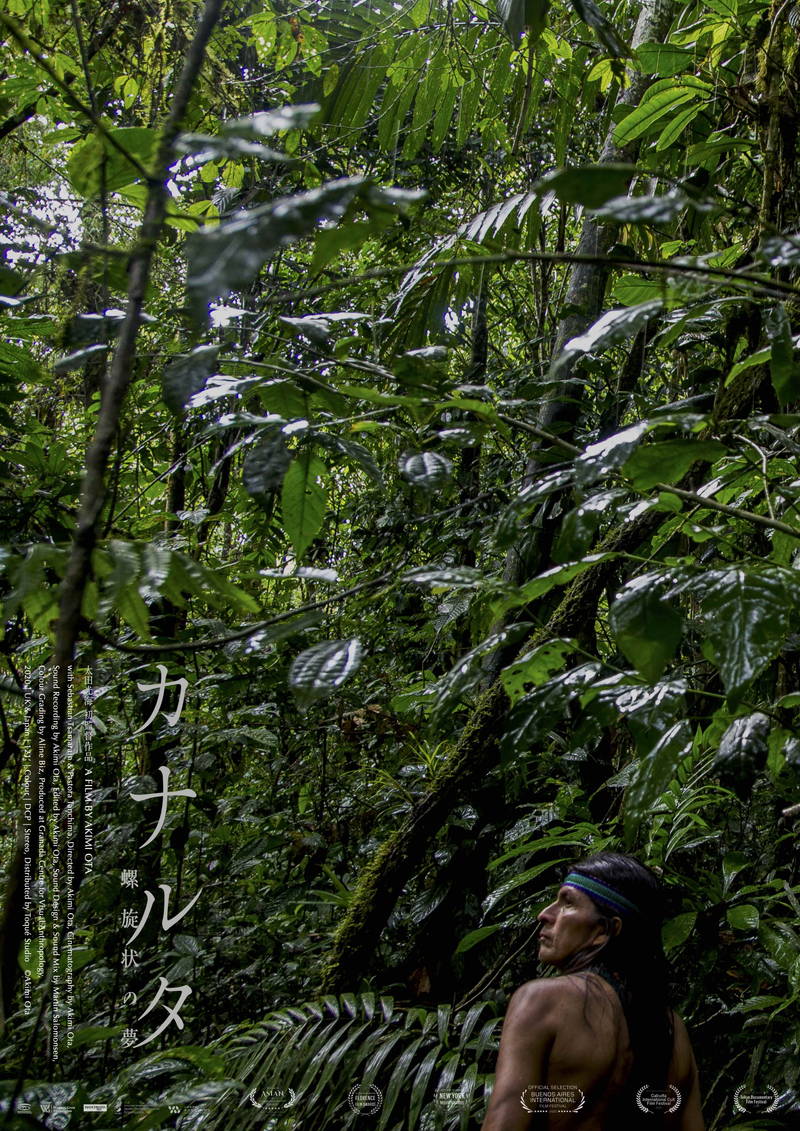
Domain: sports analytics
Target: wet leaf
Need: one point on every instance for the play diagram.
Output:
(664, 58)
(428, 470)
(607, 455)
(742, 752)
(535, 667)
(651, 209)
(187, 374)
(579, 526)
(445, 577)
(668, 460)
(531, 718)
(318, 671)
(96, 164)
(538, 586)
(781, 251)
(79, 358)
(226, 257)
(264, 467)
(612, 328)
(303, 499)
(677, 930)
(269, 122)
(516, 15)
(591, 185)
(653, 774)
(662, 98)
(743, 918)
(606, 32)
(746, 617)
(646, 627)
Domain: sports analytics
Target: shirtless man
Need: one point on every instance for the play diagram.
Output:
(603, 933)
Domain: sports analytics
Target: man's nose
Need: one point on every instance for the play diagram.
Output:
(546, 913)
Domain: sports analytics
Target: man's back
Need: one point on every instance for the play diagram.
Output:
(591, 1050)
(570, 1032)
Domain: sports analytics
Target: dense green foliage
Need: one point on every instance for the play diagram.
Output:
(455, 471)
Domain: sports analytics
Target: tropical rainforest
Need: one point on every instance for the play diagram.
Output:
(400, 407)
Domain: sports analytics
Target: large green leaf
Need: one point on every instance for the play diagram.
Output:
(651, 209)
(653, 775)
(228, 256)
(747, 615)
(646, 627)
(320, 670)
(744, 917)
(187, 374)
(743, 752)
(676, 931)
(428, 470)
(664, 58)
(610, 329)
(96, 165)
(445, 577)
(516, 15)
(608, 454)
(608, 35)
(530, 718)
(580, 525)
(268, 122)
(660, 99)
(591, 185)
(668, 460)
(529, 498)
(303, 500)
(264, 467)
(535, 667)
(538, 586)
(781, 251)
(466, 673)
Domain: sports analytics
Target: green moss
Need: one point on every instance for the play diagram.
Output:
(392, 865)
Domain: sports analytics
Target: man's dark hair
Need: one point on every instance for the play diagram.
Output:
(633, 962)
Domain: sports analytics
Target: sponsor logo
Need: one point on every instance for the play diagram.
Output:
(272, 1099)
(651, 1100)
(755, 1101)
(552, 1098)
(450, 1100)
(365, 1099)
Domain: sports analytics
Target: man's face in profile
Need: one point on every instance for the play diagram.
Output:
(569, 924)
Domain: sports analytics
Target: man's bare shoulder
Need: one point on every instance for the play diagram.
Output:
(542, 996)
(537, 998)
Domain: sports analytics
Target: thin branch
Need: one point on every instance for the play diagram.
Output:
(541, 434)
(734, 512)
(114, 390)
(643, 266)
(211, 643)
(690, 496)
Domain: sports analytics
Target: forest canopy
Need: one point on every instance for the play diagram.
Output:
(400, 409)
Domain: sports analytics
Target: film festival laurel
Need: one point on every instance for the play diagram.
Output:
(57, 840)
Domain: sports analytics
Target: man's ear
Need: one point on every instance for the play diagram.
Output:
(614, 928)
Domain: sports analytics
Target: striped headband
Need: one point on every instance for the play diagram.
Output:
(603, 892)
